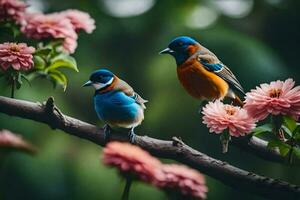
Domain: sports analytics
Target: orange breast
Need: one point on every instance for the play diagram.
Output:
(201, 83)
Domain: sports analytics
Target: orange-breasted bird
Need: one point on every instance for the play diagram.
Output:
(201, 73)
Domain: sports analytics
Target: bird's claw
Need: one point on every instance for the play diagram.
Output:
(107, 132)
(131, 136)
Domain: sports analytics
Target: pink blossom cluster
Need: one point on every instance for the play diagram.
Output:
(133, 160)
(18, 56)
(41, 26)
(276, 98)
(12, 10)
(218, 117)
(80, 20)
(130, 158)
(189, 181)
(62, 25)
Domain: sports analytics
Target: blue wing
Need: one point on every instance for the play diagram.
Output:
(224, 72)
(128, 91)
(120, 98)
(213, 67)
(116, 106)
(139, 100)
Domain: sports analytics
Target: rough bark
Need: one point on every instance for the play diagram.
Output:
(237, 178)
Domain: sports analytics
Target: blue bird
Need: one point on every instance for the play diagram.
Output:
(116, 103)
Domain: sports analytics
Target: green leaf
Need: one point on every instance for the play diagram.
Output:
(296, 133)
(36, 74)
(283, 147)
(16, 31)
(57, 42)
(266, 128)
(39, 62)
(45, 51)
(19, 81)
(58, 78)
(63, 60)
(10, 29)
(26, 79)
(287, 130)
(296, 152)
(284, 150)
(290, 123)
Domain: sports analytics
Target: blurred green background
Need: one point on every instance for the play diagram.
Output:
(258, 39)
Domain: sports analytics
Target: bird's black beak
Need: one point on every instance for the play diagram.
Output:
(167, 51)
(89, 83)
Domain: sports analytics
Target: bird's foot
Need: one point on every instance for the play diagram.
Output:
(131, 136)
(107, 132)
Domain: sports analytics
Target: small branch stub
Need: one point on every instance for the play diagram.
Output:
(49, 105)
(177, 141)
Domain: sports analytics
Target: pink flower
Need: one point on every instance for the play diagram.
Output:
(8, 140)
(186, 180)
(16, 55)
(132, 159)
(219, 116)
(276, 98)
(12, 9)
(40, 26)
(80, 20)
(69, 45)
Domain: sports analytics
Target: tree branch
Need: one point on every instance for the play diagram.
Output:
(176, 149)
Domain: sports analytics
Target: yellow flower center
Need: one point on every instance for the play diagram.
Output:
(275, 93)
(14, 48)
(230, 110)
(49, 22)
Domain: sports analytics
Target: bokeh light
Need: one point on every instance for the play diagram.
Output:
(234, 8)
(36, 5)
(127, 8)
(201, 17)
